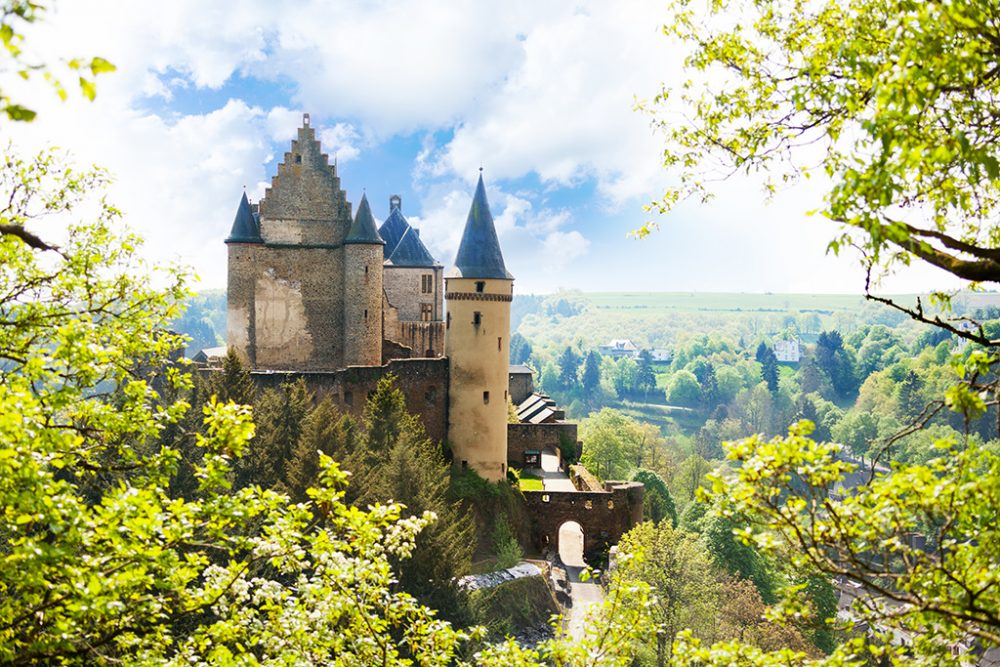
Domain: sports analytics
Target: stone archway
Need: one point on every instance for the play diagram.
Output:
(570, 541)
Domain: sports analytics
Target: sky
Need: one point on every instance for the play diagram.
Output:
(413, 98)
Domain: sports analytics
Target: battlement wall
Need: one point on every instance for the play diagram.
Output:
(603, 515)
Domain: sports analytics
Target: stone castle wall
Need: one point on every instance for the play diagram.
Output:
(521, 437)
(604, 516)
(404, 289)
(362, 330)
(423, 382)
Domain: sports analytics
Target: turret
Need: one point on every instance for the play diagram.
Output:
(478, 292)
(363, 290)
(242, 245)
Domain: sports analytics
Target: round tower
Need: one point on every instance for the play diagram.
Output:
(478, 292)
(363, 290)
(243, 243)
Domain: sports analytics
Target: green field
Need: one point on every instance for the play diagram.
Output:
(743, 302)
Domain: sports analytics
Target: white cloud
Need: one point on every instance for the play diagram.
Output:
(532, 88)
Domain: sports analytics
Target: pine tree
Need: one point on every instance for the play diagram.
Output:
(768, 366)
(279, 415)
(233, 383)
(591, 373)
(647, 377)
(396, 461)
(325, 430)
(569, 366)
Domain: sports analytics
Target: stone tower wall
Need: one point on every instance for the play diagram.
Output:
(362, 280)
(298, 308)
(240, 299)
(478, 349)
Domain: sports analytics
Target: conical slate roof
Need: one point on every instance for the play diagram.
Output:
(411, 251)
(479, 253)
(245, 228)
(392, 230)
(363, 230)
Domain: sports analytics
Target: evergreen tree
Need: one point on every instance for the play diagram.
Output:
(591, 373)
(279, 414)
(325, 431)
(520, 349)
(569, 367)
(233, 383)
(910, 397)
(647, 377)
(768, 366)
(396, 461)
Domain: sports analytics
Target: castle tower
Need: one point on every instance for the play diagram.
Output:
(478, 291)
(286, 294)
(243, 247)
(363, 290)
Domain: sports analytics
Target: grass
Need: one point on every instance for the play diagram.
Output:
(531, 481)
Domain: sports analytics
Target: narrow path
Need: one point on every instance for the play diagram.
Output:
(554, 479)
(584, 594)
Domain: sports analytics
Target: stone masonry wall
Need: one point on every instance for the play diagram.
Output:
(403, 287)
(363, 299)
(604, 516)
(424, 382)
(298, 308)
(521, 437)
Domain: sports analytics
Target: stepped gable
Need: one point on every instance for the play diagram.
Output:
(306, 187)
(245, 229)
(479, 253)
(363, 230)
(394, 227)
(411, 252)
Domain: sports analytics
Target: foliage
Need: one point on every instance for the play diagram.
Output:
(937, 596)
(99, 562)
(893, 100)
(676, 568)
(614, 444)
(657, 503)
(15, 16)
(508, 549)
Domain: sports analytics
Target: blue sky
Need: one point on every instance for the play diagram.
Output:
(413, 97)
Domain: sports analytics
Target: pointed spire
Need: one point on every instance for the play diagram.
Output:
(363, 230)
(479, 253)
(245, 229)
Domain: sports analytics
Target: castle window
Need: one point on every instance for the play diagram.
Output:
(298, 159)
(499, 344)
(366, 314)
(426, 312)
(465, 466)
(480, 285)
(486, 397)
(426, 284)
(447, 325)
(477, 318)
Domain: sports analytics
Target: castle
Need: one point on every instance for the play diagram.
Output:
(318, 292)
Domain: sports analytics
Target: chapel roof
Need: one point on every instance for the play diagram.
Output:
(411, 251)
